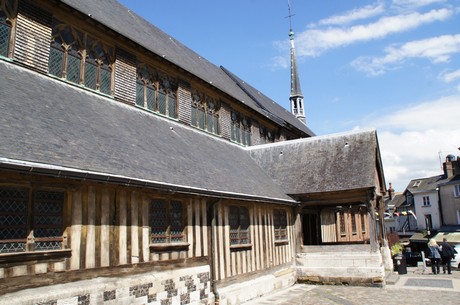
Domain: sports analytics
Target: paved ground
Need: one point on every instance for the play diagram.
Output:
(417, 287)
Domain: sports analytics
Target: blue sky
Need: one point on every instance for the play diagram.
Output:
(389, 65)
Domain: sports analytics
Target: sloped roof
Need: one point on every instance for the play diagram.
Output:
(132, 26)
(398, 200)
(322, 164)
(423, 185)
(271, 109)
(54, 125)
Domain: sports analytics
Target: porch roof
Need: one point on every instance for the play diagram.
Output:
(332, 163)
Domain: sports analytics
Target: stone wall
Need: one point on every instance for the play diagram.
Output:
(182, 286)
(356, 267)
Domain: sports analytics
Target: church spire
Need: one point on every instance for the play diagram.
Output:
(296, 97)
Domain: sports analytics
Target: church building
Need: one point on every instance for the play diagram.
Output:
(135, 171)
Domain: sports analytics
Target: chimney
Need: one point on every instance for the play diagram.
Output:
(390, 191)
(451, 166)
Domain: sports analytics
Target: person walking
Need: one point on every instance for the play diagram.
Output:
(447, 253)
(434, 254)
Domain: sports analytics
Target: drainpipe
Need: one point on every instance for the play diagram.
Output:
(212, 224)
(440, 205)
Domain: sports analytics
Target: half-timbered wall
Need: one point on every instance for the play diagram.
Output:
(106, 226)
(262, 251)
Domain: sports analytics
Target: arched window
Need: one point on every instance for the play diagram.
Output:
(79, 58)
(205, 113)
(156, 92)
(240, 129)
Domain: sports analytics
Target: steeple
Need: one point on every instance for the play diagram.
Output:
(296, 97)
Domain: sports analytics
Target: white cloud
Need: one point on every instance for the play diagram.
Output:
(437, 49)
(313, 42)
(450, 76)
(411, 139)
(353, 15)
(415, 3)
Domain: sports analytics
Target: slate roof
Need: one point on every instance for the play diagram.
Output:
(50, 125)
(329, 163)
(424, 185)
(127, 23)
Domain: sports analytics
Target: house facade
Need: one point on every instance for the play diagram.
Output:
(132, 170)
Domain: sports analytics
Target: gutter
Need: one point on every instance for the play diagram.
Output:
(85, 175)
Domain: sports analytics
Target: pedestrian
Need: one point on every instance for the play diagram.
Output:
(447, 253)
(434, 254)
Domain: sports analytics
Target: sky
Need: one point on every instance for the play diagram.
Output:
(390, 65)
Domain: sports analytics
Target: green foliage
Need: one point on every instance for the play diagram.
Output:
(396, 248)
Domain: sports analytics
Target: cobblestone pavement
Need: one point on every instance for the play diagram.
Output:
(416, 287)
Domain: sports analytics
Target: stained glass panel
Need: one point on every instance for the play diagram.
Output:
(158, 221)
(5, 31)
(105, 80)
(177, 222)
(171, 105)
(150, 98)
(73, 68)
(161, 102)
(140, 94)
(90, 74)
(48, 220)
(13, 219)
(56, 61)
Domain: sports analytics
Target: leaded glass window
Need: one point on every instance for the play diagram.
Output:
(342, 223)
(45, 227)
(240, 129)
(167, 221)
(239, 225)
(7, 13)
(79, 58)
(205, 113)
(363, 223)
(354, 229)
(156, 92)
(280, 224)
(266, 136)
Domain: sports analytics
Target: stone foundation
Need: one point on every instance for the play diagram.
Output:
(183, 286)
(246, 290)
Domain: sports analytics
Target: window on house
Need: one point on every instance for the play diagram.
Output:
(30, 220)
(343, 230)
(7, 12)
(354, 229)
(167, 221)
(205, 113)
(266, 136)
(428, 222)
(239, 225)
(416, 183)
(280, 223)
(156, 92)
(457, 190)
(240, 129)
(80, 59)
(426, 200)
(363, 222)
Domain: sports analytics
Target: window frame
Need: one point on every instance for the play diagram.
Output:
(426, 201)
(90, 52)
(32, 225)
(241, 131)
(243, 236)
(168, 243)
(157, 89)
(457, 190)
(280, 226)
(9, 10)
(205, 113)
